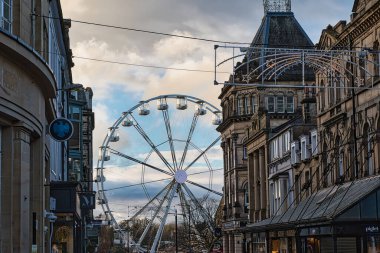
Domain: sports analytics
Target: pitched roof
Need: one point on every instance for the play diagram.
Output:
(324, 205)
(281, 29)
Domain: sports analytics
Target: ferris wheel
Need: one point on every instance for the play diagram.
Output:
(155, 161)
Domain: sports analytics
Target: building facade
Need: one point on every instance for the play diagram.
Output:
(313, 177)
(249, 115)
(35, 81)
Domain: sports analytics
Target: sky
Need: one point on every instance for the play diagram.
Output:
(119, 87)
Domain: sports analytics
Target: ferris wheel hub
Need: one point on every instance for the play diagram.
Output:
(180, 176)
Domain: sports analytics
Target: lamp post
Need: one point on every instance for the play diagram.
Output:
(176, 231)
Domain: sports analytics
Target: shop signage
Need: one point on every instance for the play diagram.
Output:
(61, 129)
(372, 229)
(87, 200)
(228, 225)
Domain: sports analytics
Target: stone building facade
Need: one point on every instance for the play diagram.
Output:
(35, 73)
(313, 179)
(249, 114)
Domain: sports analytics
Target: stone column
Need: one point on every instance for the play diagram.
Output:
(251, 186)
(256, 176)
(6, 191)
(21, 191)
(232, 243)
(226, 243)
(263, 183)
(40, 165)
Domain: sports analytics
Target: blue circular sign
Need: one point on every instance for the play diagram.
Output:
(61, 129)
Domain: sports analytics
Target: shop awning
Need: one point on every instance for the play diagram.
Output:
(352, 201)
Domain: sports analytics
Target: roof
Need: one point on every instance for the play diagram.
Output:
(281, 29)
(323, 206)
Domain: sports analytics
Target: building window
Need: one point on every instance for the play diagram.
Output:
(246, 198)
(240, 106)
(290, 104)
(245, 153)
(6, 15)
(295, 153)
(253, 104)
(341, 168)
(286, 142)
(280, 104)
(305, 154)
(275, 148)
(247, 106)
(314, 143)
(271, 104)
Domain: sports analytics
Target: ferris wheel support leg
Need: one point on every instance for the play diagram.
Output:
(203, 152)
(155, 215)
(204, 214)
(161, 228)
(193, 124)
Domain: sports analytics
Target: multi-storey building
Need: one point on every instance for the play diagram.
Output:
(35, 83)
(75, 195)
(35, 63)
(332, 202)
(249, 115)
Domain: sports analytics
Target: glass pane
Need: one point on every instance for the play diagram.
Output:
(74, 113)
(351, 214)
(289, 104)
(368, 207)
(280, 104)
(373, 244)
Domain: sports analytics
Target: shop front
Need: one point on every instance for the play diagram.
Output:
(339, 219)
(67, 236)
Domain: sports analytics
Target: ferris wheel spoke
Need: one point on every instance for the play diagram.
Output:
(151, 144)
(204, 214)
(203, 152)
(113, 151)
(165, 113)
(193, 124)
(167, 187)
(205, 188)
(147, 228)
(163, 222)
